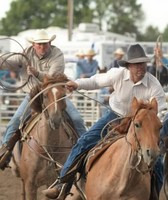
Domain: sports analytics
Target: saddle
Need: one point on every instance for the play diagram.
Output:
(23, 134)
(97, 151)
(85, 161)
(116, 130)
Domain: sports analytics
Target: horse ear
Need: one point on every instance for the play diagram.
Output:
(135, 105)
(154, 104)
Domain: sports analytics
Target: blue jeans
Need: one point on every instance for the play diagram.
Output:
(164, 129)
(158, 170)
(88, 140)
(159, 164)
(14, 123)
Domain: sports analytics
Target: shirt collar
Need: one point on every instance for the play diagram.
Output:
(144, 81)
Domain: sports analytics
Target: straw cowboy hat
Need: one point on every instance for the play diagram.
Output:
(90, 52)
(41, 36)
(135, 54)
(80, 53)
(119, 51)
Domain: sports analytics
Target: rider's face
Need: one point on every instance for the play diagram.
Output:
(137, 71)
(41, 48)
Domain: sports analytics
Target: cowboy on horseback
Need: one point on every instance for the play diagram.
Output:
(130, 80)
(41, 58)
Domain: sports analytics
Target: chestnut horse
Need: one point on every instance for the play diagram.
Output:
(48, 138)
(123, 170)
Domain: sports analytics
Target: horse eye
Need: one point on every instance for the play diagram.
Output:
(137, 125)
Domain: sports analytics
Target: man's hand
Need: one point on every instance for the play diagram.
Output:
(158, 52)
(32, 71)
(71, 86)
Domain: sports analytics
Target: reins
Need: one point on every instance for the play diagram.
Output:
(138, 151)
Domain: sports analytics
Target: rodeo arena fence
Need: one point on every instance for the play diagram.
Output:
(86, 103)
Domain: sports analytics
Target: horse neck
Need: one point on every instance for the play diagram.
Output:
(46, 130)
(126, 158)
(131, 137)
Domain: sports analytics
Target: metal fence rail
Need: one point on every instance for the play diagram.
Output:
(89, 109)
(9, 102)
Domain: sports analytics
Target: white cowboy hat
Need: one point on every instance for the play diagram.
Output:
(90, 52)
(41, 36)
(119, 51)
(135, 54)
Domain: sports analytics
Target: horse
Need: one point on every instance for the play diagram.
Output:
(123, 170)
(47, 137)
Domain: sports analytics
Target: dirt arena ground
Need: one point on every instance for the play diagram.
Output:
(10, 186)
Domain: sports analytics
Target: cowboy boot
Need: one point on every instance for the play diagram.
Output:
(6, 150)
(58, 190)
(53, 193)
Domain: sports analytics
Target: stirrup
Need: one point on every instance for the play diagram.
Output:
(5, 159)
(55, 183)
(64, 192)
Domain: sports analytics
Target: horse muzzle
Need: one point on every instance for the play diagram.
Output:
(150, 156)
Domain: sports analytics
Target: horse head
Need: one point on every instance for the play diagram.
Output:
(144, 131)
(50, 97)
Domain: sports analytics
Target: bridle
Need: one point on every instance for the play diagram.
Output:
(138, 150)
(47, 155)
(44, 111)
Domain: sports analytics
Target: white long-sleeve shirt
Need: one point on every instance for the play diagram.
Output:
(125, 89)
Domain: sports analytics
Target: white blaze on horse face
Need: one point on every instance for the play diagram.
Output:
(54, 91)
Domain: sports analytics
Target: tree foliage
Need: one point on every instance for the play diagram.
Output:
(41, 14)
(165, 34)
(150, 35)
(121, 16)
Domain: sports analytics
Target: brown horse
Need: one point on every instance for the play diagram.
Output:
(48, 137)
(123, 170)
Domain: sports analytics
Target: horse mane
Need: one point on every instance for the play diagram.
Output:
(143, 105)
(36, 105)
(124, 125)
(55, 78)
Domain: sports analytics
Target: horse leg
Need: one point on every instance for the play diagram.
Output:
(30, 190)
(23, 191)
